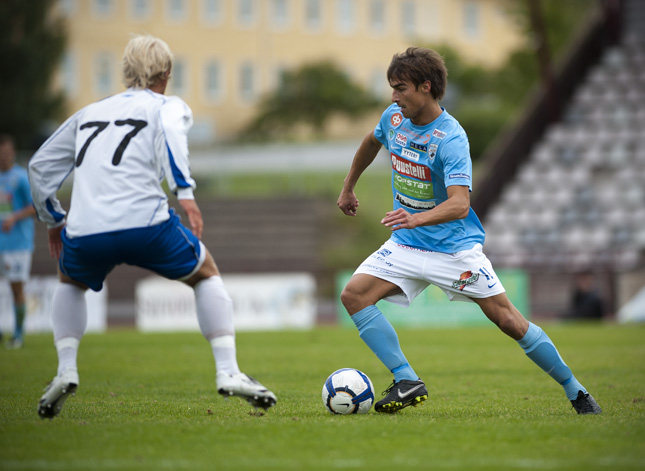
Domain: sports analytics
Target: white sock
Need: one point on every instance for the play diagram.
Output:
(69, 312)
(69, 321)
(225, 354)
(67, 349)
(215, 316)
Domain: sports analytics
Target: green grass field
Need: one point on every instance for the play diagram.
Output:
(148, 402)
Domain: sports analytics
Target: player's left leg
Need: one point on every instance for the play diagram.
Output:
(69, 321)
(19, 310)
(538, 347)
(17, 268)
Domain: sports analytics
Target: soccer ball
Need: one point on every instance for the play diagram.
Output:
(348, 391)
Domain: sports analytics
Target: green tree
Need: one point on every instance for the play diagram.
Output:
(32, 41)
(309, 95)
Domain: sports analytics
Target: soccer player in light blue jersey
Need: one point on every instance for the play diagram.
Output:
(16, 233)
(436, 236)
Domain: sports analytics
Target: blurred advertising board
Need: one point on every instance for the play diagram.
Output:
(260, 302)
(432, 307)
(39, 292)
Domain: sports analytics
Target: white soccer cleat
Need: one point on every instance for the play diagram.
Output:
(57, 392)
(242, 385)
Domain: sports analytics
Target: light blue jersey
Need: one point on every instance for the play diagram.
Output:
(14, 196)
(425, 161)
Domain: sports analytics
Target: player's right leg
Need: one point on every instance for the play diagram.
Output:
(359, 298)
(215, 316)
(178, 254)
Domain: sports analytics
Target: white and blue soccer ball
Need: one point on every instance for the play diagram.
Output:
(348, 391)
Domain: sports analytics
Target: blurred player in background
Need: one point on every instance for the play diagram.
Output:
(436, 237)
(16, 234)
(120, 149)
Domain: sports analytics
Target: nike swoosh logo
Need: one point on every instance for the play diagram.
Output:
(409, 391)
(490, 286)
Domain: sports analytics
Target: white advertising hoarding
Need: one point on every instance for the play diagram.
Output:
(260, 302)
(39, 292)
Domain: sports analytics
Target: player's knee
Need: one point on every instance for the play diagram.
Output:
(350, 299)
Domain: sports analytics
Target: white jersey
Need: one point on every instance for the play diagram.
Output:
(120, 149)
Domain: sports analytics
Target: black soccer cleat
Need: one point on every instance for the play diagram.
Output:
(401, 395)
(585, 404)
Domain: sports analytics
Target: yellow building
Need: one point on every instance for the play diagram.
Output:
(228, 53)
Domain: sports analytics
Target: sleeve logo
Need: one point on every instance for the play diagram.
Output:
(459, 175)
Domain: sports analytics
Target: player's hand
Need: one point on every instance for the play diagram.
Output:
(399, 219)
(194, 216)
(348, 203)
(8, 223)
(54, 241)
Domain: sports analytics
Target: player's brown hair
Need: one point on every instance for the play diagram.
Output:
(419, 65)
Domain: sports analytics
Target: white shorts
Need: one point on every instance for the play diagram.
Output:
(461, 275)
(15, 265)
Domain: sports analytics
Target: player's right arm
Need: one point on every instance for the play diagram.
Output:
(365, 155)
(48, 168)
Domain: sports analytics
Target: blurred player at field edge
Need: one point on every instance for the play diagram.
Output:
(120, 149)
(16, 232)
(436, 236)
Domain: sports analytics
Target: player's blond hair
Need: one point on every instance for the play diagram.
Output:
(145, 61)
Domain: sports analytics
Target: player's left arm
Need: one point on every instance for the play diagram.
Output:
(457, 206)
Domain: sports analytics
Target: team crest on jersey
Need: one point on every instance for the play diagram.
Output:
(432, 151)
(438, 134)
(419, 147)
(396, 119)
(401, 139)
(391, 134)
(466, 278)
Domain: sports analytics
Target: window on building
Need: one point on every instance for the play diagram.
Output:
(377, 16)
(408, 18)
(140, 10)
(212, 11)
(67, 8)
(103, 8)
(104, 73)
(313, 14)
(246, 12)
(179, 76)
(345, 15)
(471, 20)
(69, 74)
(176, 10)
(280, 13)
(378, 85)
(214, 80)
(247, 82)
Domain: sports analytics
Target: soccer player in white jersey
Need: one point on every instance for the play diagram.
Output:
(120, 149)
(436, 237)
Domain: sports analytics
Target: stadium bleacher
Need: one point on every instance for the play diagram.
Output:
(577, 203)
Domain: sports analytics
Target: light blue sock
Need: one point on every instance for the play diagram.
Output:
(19, 315)
(539, 348)
(377, 332)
